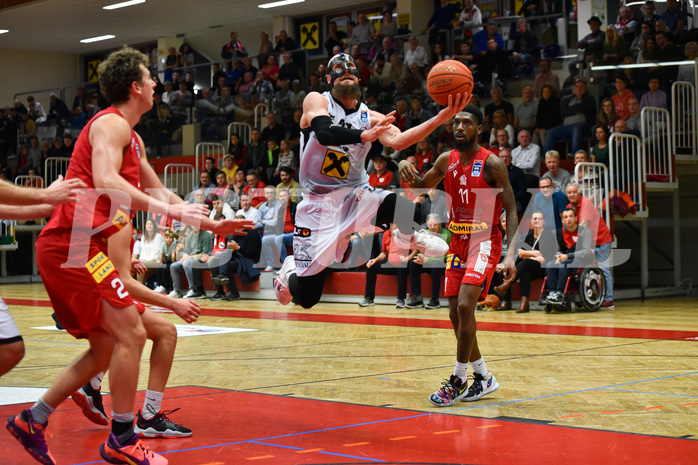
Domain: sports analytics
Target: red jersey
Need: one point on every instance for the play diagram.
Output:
(95, 212)
(586, 211)
(383, 180)
(475, 205)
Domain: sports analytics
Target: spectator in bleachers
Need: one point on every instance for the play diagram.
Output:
(525, 49)
(599, 152)
(68, 144)
(688, 73)
(382, 177)
(246, 209)
(500, 121)
(546, 77)
(168, 255)
(466, 56)
(579, 114)
(547, 114)
(221, 206)
(151, 248)
(646, 31)
(525, 111)
(263, 89)
(480, 39)
(417, 114)
(58, 150)
(527, 157)
(494, 60)
(587, 179)
(248, 67)
(273, 129)
(654, 98)
(414, 83)
(424, 154)
(270, 70)
(288, 69)
(284, 43)
(217, 77)
(23, 159)
(386, 48)
(168, 94)
(551, 202)
(79, 102)
(282, 102)
(443, 18)
(615, 49)
(197, 249)
(245, 85)
(35, 110)
(271, 160)
(388, 27)
(416, 54)
(588, 216)
(255, 187)
(621, 97)
(229, 197)
(334, 37)
(233, 50)
(237, 151)
(437, 54)
(517, 179)
(574, 244)
(186, 60)
(278, 236)
(538, 248)
(268, 215)
(234, 74)
(607, 114)
(211, 168)
(634, 120)
(397, 74)
(379, 78)
(593, 42)
(650, 16)
(316, 85)
(246, 251)
(446, 137)
(34, 159)
(265, 49)
(560, 176)
(297, 95)
(255, 153)
(627, 26)
(388, 261)
(294, 130)
(27, 129)
(470, 20)
(500, 141)
(181, 101)
(435, 266)
(58, 111)
(288, 183)
(286, 159)
(238, 183)
(171, 63)
(675, 19)
(498, 103)
(667, 51)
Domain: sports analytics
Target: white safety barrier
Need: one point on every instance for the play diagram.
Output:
(627, 169)
(243, 130)
(657, 147)
(54, 166)
(209, 149)
(180, 178)
(683, 115)
(260, 113)
(593, 182)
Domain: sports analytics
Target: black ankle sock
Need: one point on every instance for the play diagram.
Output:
(123, 430)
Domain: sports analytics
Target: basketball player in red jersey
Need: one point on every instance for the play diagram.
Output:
(87, 294)
(478, 184)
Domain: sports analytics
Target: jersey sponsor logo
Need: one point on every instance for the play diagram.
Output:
(452, 167)
(120, 219)
(477, 168)
(474, 275)
(300, 252)
(100, 267)
(301, 232)
(336, 164)
(467, 228)
(454, 261)
(136, 146)
(463, 180)
(483, 257)
(364, 116)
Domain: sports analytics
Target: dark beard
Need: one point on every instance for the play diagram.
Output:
(463, 146)
(343, 91)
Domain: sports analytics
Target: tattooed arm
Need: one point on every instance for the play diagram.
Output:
(497, 176)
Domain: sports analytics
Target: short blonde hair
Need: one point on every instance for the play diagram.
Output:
(552, 154)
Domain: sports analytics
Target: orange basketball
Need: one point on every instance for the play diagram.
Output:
(449, 77)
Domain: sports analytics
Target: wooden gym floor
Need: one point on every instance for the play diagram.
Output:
(342, 384)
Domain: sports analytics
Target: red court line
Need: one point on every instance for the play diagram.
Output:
(566, 330)
(232, 427)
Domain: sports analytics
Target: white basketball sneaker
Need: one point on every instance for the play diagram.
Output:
(283, 293)
(430, 245)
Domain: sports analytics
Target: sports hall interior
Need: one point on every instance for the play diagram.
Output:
(258, 382)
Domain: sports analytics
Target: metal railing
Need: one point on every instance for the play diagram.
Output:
(260, 111)
(657, 146)
(180, 178)
(55, 166)
(683, 115)
(209, 149)
(593, 182)
(627, 169)
(243, 130)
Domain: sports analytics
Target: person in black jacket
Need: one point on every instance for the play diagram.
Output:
(517, 179)
(578, 116)
(574, 248)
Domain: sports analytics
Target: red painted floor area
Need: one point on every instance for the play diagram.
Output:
(443, 323)
(232, 428)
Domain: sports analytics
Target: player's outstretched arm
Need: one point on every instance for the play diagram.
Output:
(60, 191)
(25, 212)
(401, 140)
(119, 253)
(410, 176)
(496, 171)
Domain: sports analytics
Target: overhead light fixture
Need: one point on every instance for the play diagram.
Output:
(281, 3)
(123, 4)
(97, 39)
(3, 31)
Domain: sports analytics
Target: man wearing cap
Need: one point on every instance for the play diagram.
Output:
(382, 178)
(593, 42)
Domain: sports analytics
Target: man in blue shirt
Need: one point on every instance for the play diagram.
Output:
(442, 18)
(551, 202)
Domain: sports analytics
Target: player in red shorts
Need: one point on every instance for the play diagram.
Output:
(478, 184)
(86, 291)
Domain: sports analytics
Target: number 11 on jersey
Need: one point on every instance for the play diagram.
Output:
(463, 195)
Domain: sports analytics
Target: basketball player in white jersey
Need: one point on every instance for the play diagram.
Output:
(336, 134)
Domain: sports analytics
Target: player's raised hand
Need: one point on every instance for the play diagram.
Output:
(407, 172)
(237, 227)
(186, 309)
(455, 105)
(369, 135)
(62, 190)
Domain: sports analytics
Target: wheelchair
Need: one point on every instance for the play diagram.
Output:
(585, 286)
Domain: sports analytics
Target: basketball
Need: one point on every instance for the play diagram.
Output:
(449, 77)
